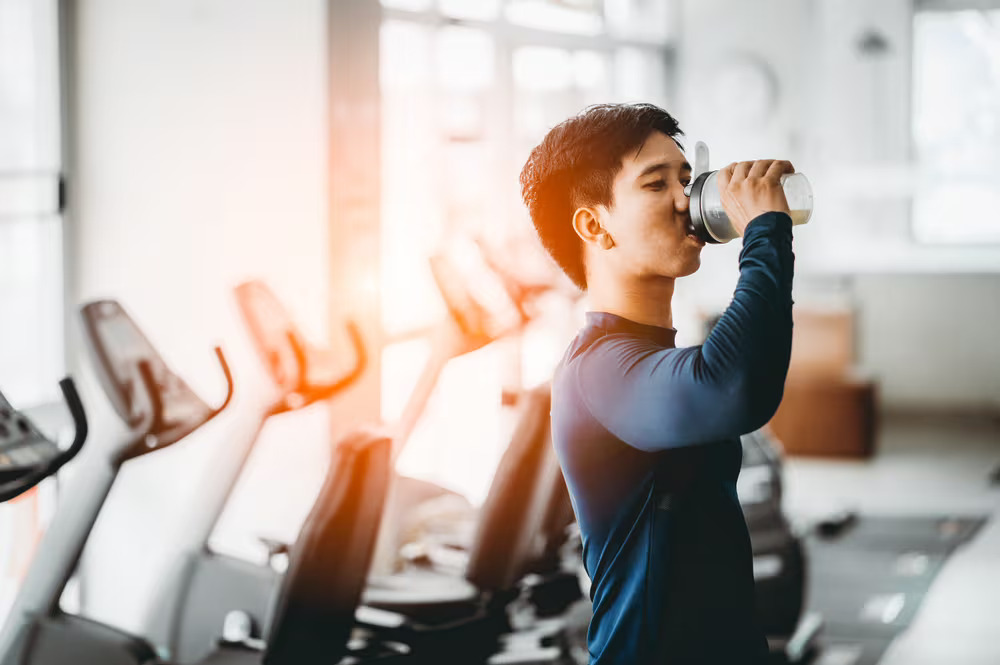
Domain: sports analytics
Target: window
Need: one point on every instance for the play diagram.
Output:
(468, 88)
(31, 293)
(31, 298)
(956, 126)
(582, 17)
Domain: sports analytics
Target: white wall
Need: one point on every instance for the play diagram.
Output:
(932, 340)
(200, 143)
(715, 39)
(927, 315)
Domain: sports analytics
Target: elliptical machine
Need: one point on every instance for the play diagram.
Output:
(158, 409)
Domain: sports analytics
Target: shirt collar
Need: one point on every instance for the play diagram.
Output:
(612, 323)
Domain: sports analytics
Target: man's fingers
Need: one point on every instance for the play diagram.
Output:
(741, 171)
(725, 175)
(759, 168)
(778, 168)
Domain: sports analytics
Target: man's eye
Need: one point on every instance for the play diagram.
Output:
(686, 182)
(656, 184)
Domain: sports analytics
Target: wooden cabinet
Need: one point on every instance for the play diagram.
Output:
(830, 407)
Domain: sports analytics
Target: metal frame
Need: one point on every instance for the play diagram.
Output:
(512, 33)
(353, 99)
(66, 16)
(953, 5)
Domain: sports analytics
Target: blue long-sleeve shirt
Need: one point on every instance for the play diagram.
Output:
(648, 439)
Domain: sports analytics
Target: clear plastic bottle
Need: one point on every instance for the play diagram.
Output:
(709, 218)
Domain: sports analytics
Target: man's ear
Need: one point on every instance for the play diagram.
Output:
(589, 228)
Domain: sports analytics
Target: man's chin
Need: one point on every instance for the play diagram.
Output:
(691, 267)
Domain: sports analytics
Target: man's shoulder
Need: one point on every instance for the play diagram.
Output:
(566, 371)
(590, 340)
(573, 386)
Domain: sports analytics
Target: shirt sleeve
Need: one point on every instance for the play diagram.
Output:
(654, 398)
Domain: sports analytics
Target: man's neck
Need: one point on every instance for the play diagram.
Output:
(645, 301)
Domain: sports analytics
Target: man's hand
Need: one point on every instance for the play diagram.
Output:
(749, 189)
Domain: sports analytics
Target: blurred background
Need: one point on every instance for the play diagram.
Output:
(162, 152)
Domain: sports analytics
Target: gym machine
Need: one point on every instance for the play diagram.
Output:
(158, 409)
(27, 456)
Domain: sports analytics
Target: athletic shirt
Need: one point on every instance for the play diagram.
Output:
(647, 435)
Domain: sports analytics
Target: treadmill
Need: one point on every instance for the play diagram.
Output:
(27, 457)
(158, 409)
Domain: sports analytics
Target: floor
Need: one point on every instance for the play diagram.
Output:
(926, 465)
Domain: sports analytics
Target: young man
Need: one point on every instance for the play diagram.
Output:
(648, 434)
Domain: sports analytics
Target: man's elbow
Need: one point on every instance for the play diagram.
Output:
(761, 403)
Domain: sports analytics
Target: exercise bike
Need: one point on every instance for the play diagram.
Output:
(27, 457)
(158, 409)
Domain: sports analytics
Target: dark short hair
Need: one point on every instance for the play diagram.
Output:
(575, 165)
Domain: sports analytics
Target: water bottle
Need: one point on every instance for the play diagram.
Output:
(709, 218)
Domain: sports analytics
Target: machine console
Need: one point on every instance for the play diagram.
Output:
(122, 357)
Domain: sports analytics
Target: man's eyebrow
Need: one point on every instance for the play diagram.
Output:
(662, 165)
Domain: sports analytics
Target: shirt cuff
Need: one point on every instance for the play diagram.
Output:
(766, 224)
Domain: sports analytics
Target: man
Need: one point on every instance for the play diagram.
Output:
(648, 434)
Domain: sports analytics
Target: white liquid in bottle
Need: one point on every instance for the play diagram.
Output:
(799, 195)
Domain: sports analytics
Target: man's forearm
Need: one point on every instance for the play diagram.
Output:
(755, 331)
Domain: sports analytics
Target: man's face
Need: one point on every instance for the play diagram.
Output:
(648, 220)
